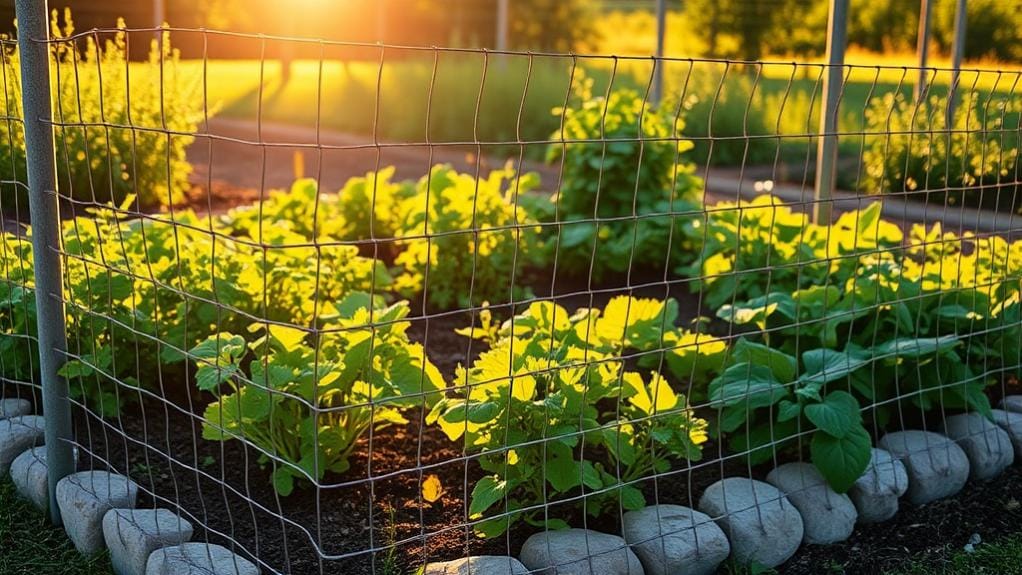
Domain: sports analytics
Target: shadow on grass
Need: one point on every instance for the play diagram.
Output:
(29, 545)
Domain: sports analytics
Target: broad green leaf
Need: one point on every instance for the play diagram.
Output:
(826, 365)
(788, 410)
(907, 347)
(222, 345)
(745, 384)
(208, 378)
(283, 480)
(563, 472)
(354, 302)
(842, 460)
(837, 415)
(783, 366)
(493, 527)
(631, 498)
(487, 491)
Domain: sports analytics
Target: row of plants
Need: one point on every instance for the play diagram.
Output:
(302, 364)
(291, 317)
(123, 128)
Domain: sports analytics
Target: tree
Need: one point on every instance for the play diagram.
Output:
(550, 25)
(993, 28)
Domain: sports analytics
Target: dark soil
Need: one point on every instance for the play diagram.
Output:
(374, 515)
(991, 509)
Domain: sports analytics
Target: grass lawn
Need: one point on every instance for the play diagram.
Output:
(29, 545)
(1002, 557)
(426, 97)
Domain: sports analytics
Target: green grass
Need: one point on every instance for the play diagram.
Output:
(1001, 557)
(29, 545)
(468, 97)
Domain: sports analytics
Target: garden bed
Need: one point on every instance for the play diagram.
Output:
(221, 487)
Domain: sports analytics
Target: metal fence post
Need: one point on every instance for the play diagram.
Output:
(502, 25)
(34, 52)
(826, 151)
(658, 64)
(957, 54)
(923, 47)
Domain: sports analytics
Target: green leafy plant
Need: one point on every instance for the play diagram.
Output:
(99, 158)
(140, 293)
(553, 410)
(457, 239)
(751, 248)
(465, 240)
(768, 398)
(305, 402)
(19, 354)
(626, 188)
(911, 150)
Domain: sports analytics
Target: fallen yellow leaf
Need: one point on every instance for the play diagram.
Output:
(432, 489)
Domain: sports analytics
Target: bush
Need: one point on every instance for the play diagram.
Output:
(626, 188)
(121, 147)
(465, 240)
(305, 402)
(141, 293)
(911, 151)
(956, 300)
(447, 234)
(553, 410)
(761, 246)
(19, 352)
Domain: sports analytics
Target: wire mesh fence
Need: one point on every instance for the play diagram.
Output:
(468, 296)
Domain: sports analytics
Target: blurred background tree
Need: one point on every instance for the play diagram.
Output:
(743, 29)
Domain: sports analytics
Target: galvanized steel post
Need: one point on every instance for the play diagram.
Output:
(658, 64)
(923, 48)
(826, 151)
(957, 55)
(34, 53)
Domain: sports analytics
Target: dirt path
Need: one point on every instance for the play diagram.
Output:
(244, 160)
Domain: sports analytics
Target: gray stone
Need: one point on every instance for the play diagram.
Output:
(14, 407)
(1011, 423)
(674, 539)
(762, 525)
(17, 435)
(987, 446)
(579, 552)
(84, 498)
(875, 494)
(827, 516)
(198, 559)
(478, 565)
(28, 473)
(936, 466)
(132, 535)
(1012, 403)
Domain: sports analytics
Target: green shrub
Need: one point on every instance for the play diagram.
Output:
(465, 240)
(931, 324)
(761, 246)
(19, 354)
(141, 293)
(305, 402)
(449, 235)
(910, 150)
(626, 188)
(553, 410)
(117, 143)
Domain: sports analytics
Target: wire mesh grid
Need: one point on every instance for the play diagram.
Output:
(506, 320)
(18, 348)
